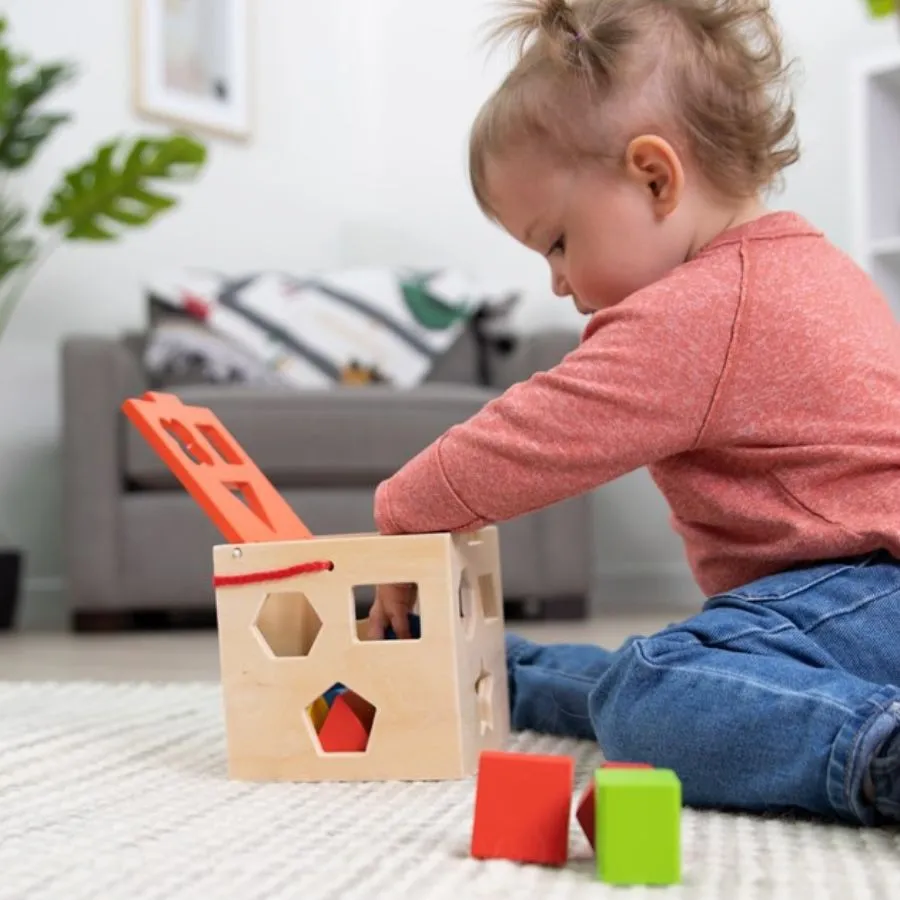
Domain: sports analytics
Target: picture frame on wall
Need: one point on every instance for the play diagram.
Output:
(193, 64)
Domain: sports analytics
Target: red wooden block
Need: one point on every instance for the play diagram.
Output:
(586, 815)
(522, 806)
(343, 732)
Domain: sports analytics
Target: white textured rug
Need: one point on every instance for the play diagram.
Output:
(119, 792)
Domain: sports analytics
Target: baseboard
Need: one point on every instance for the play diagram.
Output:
(619, 591)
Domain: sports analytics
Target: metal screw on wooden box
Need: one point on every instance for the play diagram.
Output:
(307, 697)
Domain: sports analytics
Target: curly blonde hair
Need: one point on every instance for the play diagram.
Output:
(592, 74)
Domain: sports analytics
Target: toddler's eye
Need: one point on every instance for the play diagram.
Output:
(558, 247)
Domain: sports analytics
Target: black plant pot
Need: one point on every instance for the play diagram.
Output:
(10, 586)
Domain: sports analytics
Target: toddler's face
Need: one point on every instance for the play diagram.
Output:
(601, 232)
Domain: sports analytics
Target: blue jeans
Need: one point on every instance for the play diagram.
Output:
(781, 696)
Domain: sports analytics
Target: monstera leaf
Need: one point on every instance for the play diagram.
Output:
(23, 87)
(882, 8)
(117, 189)
(16, 248)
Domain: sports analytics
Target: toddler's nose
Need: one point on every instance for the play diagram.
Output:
(561, 286)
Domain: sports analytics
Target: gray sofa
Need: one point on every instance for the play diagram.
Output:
(136, 544)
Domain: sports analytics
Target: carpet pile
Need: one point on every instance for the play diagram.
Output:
(120, 791)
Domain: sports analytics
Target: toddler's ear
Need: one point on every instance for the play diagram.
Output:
(653, 163)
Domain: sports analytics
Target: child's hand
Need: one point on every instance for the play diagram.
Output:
(393, 603)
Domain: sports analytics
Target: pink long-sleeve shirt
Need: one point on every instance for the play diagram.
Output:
(758, 382)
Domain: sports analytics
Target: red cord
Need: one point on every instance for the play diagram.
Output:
(273, 575)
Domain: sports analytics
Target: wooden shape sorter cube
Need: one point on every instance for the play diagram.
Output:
(638, 826)
(289, 636)
(439, 700)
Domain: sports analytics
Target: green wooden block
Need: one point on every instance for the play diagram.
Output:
(638, 826)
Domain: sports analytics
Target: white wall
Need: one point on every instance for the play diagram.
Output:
(363, 107)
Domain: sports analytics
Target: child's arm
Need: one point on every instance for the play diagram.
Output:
(638, 389)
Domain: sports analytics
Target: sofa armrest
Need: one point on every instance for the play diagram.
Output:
(535, 353)
(98, 375)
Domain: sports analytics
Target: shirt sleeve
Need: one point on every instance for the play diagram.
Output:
(637, 390)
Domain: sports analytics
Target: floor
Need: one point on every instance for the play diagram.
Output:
(193, 656)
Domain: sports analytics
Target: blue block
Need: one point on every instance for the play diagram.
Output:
(333, 693)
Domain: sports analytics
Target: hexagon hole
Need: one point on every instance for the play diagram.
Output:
(288, 624)
(341, 720)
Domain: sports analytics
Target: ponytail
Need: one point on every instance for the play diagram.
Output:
(586, 42)
(711, 73)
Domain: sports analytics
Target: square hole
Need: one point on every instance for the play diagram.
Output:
(363, 597)
(187, 441)
(491, 601)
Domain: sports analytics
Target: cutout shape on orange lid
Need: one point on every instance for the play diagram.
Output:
(215, 470)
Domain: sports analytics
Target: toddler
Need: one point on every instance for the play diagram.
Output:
(736, 353)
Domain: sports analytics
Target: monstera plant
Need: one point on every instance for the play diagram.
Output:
(116, 188)
(882, 8)
(113, 190)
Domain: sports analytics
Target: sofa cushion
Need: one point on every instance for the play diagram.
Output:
(356, 436)
(356, 326)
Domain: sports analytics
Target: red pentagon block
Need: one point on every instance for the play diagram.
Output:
(362, 709)
(586, 815)
(343, 732)
(522, 806)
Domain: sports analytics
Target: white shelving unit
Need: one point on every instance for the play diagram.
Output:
(875, 142)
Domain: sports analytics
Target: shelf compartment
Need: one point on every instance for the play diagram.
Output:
(883, 178)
